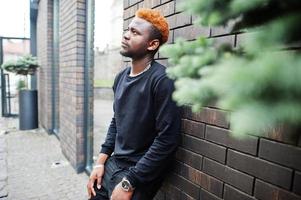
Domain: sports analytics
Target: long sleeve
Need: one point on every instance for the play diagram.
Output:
(168, 120)
(108, 146)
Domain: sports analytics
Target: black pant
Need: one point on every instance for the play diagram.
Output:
(115, 170)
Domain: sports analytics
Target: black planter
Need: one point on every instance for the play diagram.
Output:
(28, 109)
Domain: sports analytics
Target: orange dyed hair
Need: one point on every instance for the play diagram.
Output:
(156, 19)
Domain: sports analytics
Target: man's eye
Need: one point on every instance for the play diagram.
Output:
(134, 32)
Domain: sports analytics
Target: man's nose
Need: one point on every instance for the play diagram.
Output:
(126, 35)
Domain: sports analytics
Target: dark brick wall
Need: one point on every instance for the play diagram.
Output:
(71, 88)
(210, 164)
(72, 28)
(44, 53)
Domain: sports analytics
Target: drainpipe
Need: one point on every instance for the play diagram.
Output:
(55, 63)
(2, 79)
(33, 37)
(88, 88)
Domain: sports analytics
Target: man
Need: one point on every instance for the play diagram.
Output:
(145, 128)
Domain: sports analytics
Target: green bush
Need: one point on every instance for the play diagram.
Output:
(25, 65)
(260, 81)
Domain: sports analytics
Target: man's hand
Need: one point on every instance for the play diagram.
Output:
(119, 194)
(96, 175)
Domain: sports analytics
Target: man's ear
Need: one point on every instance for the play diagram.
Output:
(153, 45)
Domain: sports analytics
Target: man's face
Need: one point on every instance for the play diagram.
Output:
(136, 40)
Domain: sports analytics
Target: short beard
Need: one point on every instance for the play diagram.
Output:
(126, 54)
(133, 55)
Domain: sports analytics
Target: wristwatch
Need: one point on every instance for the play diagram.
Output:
(126, 185)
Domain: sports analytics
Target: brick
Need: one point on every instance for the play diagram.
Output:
(219, 30)
(170, 37)
(208, 115)
(179, 6)
(280, 134)
(193, 128)
(167, 9)
(207, 182)
(159, 55)
(204, 195)
(230, 193)
(248, 144)
(190, 188)
(284, 154)
(224, 40)
(140, 5)
(266, 191)
(190, 158)
(160, 195)
(132, 2)
(179, 20)
(235, 178)
(156, 56)
(125, 4)
(125, 25)
(185, 196)
(204, 148)
(165, 1)
(240, 39)
(151, 3)
(259, 168)
(172, 192)
(191, 32)
(297, 183)
(222, 30)
(130, 12)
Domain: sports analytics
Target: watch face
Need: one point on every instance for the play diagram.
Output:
(125, 184)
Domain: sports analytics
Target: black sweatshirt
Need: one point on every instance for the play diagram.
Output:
(145, 128)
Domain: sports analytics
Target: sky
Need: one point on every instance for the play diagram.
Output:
(14, 18)
(102, 13)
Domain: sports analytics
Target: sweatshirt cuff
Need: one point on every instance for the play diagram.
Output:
(106, 150)
(133, 180)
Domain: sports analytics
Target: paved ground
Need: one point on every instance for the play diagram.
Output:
(31, 157)
(32, 170)
(3, 168)
(103, 112)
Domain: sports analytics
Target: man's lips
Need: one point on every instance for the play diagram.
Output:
(123, 44)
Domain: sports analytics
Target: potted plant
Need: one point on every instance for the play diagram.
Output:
(28, 99)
